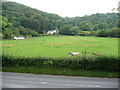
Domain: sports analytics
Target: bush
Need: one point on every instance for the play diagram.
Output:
(115, 32)
(104, 63)
(102, 33)
(28, 36)
(84, 33)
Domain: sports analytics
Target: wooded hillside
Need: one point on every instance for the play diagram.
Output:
(21, 20)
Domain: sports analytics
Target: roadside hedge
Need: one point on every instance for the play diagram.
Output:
(103, 63)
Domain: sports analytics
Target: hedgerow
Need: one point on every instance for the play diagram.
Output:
(104, 63)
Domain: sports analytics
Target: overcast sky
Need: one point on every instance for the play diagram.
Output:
(71, 8)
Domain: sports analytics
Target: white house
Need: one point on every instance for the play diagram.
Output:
(17, 38)
(51, 31)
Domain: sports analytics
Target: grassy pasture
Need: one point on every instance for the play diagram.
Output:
(59, 46)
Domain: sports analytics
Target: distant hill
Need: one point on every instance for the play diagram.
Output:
(25, 20)
(111, 19)
(29, 17)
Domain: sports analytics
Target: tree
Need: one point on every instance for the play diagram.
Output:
(44, 32)
(84, 33)
(24, 18)
(8, 33)
(102, 33)
(74, 30)
(1, 36)
(16, 32)
(65, 30)
(85, 26)
(22, 31)
(102, 25)
(33, 33)
(115, 32)
(4, 22)
(57, 31)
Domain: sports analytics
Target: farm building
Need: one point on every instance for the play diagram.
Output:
(51, 31)
(17, 38)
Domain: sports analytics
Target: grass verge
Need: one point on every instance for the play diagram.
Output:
(61, 71)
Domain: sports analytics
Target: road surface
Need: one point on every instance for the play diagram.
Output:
(19, 80)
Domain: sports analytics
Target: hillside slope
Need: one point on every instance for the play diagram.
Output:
(18, 19)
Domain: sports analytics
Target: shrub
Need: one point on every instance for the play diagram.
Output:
(28, 36)
(115, 32)
(84, 33)
(104, 63)
(102, 33)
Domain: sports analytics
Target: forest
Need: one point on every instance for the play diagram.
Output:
(21, 20)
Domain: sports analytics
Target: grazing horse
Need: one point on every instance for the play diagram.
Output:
(96, 54)
(74, 53)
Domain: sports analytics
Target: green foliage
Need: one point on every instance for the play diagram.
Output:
(4, 22)
(23, 20)
(102, 33)
(1, 36)
(28, 36)
(102, 25)
(84, 33)
(60, 71)
(115, 32)
(8, 33)
(102, 63)
(85, 26)
(16, 32)
(65, 30)
(74, 30)
(20, 15)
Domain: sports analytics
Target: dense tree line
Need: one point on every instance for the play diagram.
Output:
(103, 25)
(20, 20)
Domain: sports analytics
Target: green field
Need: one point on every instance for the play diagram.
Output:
(59, 46)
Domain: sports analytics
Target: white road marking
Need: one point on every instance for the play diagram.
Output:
(97, 86)
(44, 82)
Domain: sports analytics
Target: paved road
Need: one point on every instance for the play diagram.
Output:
(19, 80)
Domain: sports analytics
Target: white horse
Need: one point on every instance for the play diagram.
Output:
(74, 53)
